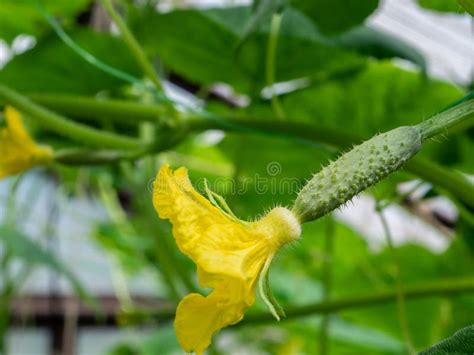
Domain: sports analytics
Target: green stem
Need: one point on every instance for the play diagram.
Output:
(460, 115)
(443, 121)
(80, 156)
(270, 63)
(65, 127)
(120, 111)
(133, 44)
(268, 126)
(4, 322)
(402, 317)
(429, 171)
(327, 282)
(451, 181)
(440, 288)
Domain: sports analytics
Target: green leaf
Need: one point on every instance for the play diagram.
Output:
(199, 45)
(376, 100)
(33, 254)
(332, 16)
(468, 5)
(25, 17)
(201, 48)
(441, 5)
(57, 68)
(462, 342)
(379, 44)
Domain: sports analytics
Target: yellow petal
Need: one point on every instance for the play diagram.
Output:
(18, 152)
(198, 317)
(15, 126)
(215, 242)
(229, 255)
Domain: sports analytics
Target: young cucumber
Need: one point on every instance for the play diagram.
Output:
(356, 170)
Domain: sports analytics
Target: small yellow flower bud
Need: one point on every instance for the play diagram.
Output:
(18, 152)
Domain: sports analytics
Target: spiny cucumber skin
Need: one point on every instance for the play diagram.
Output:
(356, 170)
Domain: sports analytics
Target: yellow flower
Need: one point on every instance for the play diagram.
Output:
(18, 152)
(230, 255)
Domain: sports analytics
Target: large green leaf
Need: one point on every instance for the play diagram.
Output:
(333, 16)
(52, 66)
(31, 253)
(375, 43)
(199, 45)
(377, 99)
(26, 17)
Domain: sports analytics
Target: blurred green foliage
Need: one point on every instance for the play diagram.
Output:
(26, 17)
(58, 69)
(350, 83)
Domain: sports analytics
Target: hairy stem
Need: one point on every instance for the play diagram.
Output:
(443, 121)
(451, 181)
(133, 44)
(61, 125)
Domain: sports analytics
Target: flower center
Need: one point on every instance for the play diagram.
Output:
(280, 226)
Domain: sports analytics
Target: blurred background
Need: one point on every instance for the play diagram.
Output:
(88, 237)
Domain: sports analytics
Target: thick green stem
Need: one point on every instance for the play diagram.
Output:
(442, 122)
(65, 127)
(440, 288)
(133, 44)
(267, 126)
(80, 156)
(451, 181)
(89, 108)
(429, 171)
